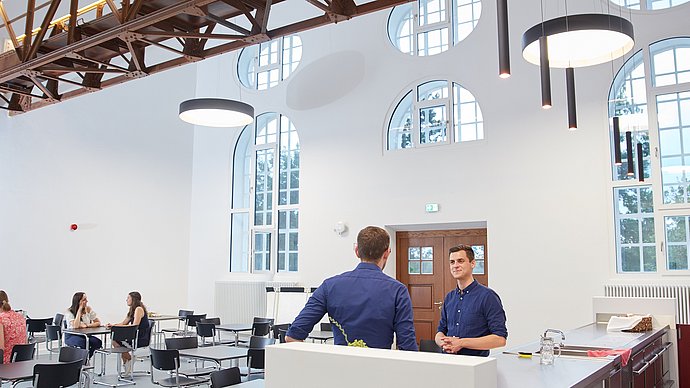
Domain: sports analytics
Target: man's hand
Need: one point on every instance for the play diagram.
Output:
(451, 344)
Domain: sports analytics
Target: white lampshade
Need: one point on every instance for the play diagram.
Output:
(580, 40)
(216, 112)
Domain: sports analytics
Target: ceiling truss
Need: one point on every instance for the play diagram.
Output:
(63, 59)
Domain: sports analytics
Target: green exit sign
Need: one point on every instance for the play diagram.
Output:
(431, 207)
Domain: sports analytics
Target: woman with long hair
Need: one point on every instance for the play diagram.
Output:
(12, 327)
(80, 316)
(136, 316)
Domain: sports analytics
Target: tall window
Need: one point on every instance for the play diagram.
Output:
(652, 216)
(649, 4)
(265, 197)
(427, 27)
(262, 66)
(424, 115)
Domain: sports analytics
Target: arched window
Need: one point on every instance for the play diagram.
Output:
(652, 210)
(426, 27)
(649, 4)
(423, 115)
(265, 197)
(262, 66)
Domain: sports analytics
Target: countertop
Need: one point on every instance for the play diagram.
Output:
(569, 371)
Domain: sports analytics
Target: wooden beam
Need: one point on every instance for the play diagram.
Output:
(28, 26)
(244, 9)
(191, 35)
(346, 8)
(38, 39)
(267, 12)
(137, 54)
(8, 24)
(227, 24)
(40, 85)
(72, 26)
(319, 5)
(115, 11)
(134, 10)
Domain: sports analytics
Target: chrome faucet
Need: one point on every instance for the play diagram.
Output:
(557, 332)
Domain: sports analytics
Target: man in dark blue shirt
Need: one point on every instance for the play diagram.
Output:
(472, 319)
(367, 304)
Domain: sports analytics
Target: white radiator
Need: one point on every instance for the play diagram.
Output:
(240, 302)
(681, 293)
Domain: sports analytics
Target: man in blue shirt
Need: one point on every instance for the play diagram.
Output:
(367, 304)
(472, 319)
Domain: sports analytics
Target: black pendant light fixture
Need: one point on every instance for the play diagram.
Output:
(570, 88)
(617, 159)
(629, 149)
(216, 112)
(545, 69)
(503, 40)
(640, 163)
(574, 41)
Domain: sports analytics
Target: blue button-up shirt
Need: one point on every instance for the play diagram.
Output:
(473, 312)
(368, 304)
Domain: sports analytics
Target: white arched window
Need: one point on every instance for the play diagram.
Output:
(649, 4)
(424, 115)
(262, 66)
(652, 215)
(427, 27)
(265, 197)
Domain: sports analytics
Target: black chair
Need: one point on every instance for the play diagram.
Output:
(262, 320)
(182, 314)
(216, 322)
(57, 375)
(169, 361)
(53, 333)
(190, 325)
(206, 330)
(70, 354)
(278, 328)
(281, 336)
(180, 343)
(59, 319)
(23, 352)
(226, 377)
(259, 329)
(430, 346)
(326, 326)
(256, 356)
(126, 336)
(142, 347)
(36, 326)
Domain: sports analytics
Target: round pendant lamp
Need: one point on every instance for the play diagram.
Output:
(580, 40)
(216, 112)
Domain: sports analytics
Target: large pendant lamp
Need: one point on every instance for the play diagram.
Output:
(576, 41)
(216, 112)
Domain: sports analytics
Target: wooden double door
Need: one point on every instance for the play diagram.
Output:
(422, 265)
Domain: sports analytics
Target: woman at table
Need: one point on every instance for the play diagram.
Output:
(81, 316)
(136, 316)
(12, 327)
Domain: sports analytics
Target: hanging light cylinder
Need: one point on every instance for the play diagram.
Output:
(572, 108)
(503, 40)
(640, 163)
(617, 141)
(629, 149)
(545, 73)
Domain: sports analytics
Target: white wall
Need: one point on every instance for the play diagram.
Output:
(543, 191)
(118, 164)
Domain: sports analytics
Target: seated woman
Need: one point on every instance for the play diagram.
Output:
(80, 316)
(12, 327)
(137, 316)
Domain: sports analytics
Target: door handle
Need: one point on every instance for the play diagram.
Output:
(439, 304)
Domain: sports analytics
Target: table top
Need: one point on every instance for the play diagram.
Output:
(235, 327)
(21, 369)
(321, 335)
(258, 383)
(89, 331)
(215, 353)
(164, 318)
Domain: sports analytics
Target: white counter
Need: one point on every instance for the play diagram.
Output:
(308, 365)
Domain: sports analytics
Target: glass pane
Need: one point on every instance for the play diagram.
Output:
(649, 257)
(648, 230)
(427, 253)
(414, 268)
(627, 201)
(479, 267)
(432, 124)
(262, 251)
(433, 90)
(241, 177)
(629, 231)
(467, 116)
(676, 230)
(239, 242)
(677, 257)
(630, 259)
(263, 196)
(288, 238)
(414, 253)
(478, 252)
(400, 126)
(428, 267)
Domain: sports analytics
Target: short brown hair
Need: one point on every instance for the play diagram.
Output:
(468, 250)
(4, 301)
(372, 242)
